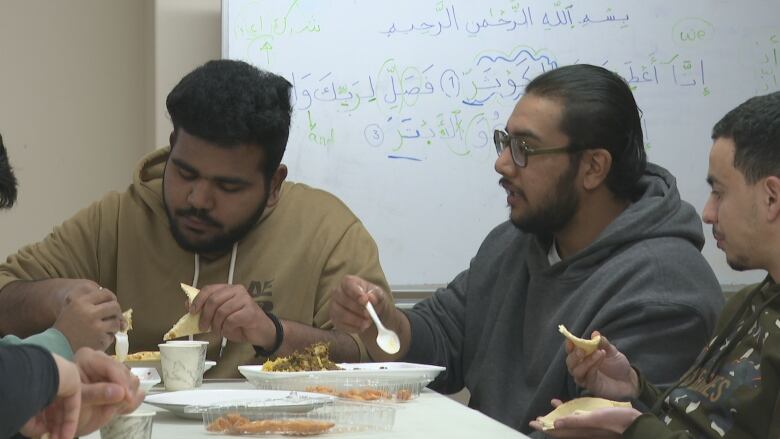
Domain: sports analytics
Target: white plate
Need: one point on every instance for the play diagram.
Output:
(147, 375)
(382, 372)
(272, 400)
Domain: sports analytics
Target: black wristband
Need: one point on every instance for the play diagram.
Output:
(259, 350)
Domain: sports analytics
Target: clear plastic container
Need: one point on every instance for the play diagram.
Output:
(353, 389)
(246, 419)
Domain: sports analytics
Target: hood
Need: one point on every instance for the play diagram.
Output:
(658, 213)
(148, 177)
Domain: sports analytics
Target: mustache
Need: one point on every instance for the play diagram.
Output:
(504, 183)
(199, 214)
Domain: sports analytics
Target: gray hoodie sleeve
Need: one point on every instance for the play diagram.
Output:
(437, 325)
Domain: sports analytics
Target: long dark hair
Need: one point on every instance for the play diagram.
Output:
(599, 111)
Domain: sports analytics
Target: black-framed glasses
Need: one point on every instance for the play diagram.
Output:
(520, 150)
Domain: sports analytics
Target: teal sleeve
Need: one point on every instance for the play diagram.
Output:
(51, 339)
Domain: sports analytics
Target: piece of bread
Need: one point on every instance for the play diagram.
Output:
(589, 346)
(188, 324)
(128, 315)
(578, 406)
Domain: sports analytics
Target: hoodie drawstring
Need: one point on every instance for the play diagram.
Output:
(231, 272)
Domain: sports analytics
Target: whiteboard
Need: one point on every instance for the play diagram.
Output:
(395, 101)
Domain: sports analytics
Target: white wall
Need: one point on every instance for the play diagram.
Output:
(72, 98)
(82, 96)
(187, 34)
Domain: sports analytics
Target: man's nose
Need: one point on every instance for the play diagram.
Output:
(504, 164)
(201, 196)
(708, 212)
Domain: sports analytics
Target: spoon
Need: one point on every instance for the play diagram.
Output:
(386, 339)
(121, 342)
(121, 346)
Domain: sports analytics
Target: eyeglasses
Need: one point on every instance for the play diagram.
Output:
(520, 150)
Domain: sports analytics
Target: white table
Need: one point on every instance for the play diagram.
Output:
(432, 415)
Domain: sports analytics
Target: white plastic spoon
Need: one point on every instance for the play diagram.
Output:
(121, 345)
(386, 339)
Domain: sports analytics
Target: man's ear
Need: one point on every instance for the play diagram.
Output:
(596, 164)
(276, 185)
(771, 197)
(172, 139)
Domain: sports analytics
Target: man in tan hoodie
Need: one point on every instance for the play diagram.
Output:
(213, 210)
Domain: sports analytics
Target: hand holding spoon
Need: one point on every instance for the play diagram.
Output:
(386, 339)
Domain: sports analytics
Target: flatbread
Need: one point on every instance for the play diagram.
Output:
(188, 324)
(128, 315)
(578, 406)
(589, 346)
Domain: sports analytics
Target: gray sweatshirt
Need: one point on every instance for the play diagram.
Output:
(642, 282)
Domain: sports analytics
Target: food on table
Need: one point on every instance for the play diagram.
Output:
(578, 406)
(144, 356)
(128, 316)
(586, 345)
(363, 394)
(234, 423)
(313, 358)
(188, 324)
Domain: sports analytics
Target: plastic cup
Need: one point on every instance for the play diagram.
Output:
(136, 425)
(183, 363)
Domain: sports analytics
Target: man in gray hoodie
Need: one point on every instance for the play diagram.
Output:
(597, 239)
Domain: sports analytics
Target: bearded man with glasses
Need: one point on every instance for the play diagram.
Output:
(597, 239)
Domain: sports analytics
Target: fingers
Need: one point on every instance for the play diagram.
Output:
(230, 315)
(536, 425)
(204, 296)
(347, 319)
(111, 315)
(103, 393)
(97, 367)
(354, 289)
(582, 369)
(606, 422)
(211, 306)
(608, 347)
(133, 401)
(68, 417)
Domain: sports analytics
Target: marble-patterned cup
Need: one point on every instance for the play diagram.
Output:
(183, 363)
(136, 425)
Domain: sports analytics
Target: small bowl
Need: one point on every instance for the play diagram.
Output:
(148, 376)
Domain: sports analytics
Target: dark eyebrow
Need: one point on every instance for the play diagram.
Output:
(523, 133)
(231, 180)
(218, 179)
(711, 180)
(184, 165)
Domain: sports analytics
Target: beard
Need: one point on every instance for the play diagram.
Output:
(737, 265)
(556, 212)
(219, 243)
